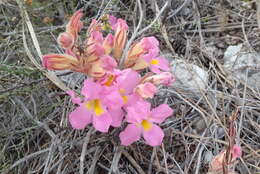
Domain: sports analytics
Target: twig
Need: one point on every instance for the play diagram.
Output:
(133, 162)
(134, 35)
(83, 152)
(258, 12)
(199, 159)
(165, 160)
(151, 161)
(163, 29)
(155, 19)
(198, 137)
(97, 155)
(25, 159)
(116, 158)
(179, 9)
(51, 75)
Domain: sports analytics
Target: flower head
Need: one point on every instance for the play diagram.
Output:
(156, 63)
(142, 121)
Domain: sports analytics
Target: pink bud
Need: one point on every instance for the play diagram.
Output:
(65, 40)
(146, 90)
(236, 151)
(165, 78)
(120, 38)
(59, 62)
(75, 25)
(108, 44)
(108, 63)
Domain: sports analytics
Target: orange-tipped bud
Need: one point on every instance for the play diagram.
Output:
(65, 40)
(216, 165)
(96, 70)
(134, 56)
(120, 38)
(165, 78)
(59, 62)
(108, 44)
(75, 25)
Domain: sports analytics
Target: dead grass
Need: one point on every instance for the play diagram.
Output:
(34, 132)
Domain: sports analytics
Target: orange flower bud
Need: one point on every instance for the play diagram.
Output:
(108, 44)
(146, 90)
(120, 38)
(65, 40)
(59, 62)
(75, 25)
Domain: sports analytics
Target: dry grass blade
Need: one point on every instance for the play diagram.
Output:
(50, 75)
(133, 162)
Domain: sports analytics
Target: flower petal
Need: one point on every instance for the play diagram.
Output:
(150, 43)
(91, 90)
(108, 63)
(74, 98)
(131, 134)
(138, 112)
(80, 118)
(113, 100)
(102, 122)
(117, 117)
(154, 136)
(163, 64)
(131, 77)
(160, 113)
(65, 40)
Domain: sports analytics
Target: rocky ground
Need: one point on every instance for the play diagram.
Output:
(213, 47)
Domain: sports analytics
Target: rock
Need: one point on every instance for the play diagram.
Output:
(208, 156)
(254, 80)
(237, 61)
(189, 76)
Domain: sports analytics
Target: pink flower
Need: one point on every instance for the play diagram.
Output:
(142, 121)
(146, 90)
(156, 63)
(126, 82)
(135, 55)
(149, 43)
(93, 109)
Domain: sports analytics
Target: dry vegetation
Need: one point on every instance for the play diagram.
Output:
(35, 136)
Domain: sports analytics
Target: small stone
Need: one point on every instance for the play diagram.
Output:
(242, 65)
(208, 156)
(189, 76)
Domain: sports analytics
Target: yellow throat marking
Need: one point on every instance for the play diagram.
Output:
(146, 125)
(96, 106)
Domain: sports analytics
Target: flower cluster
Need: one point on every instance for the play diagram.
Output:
(111, 95)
